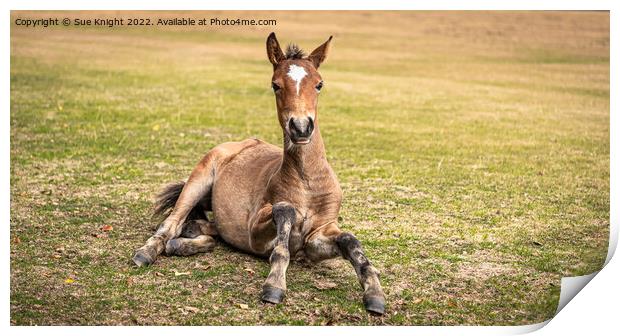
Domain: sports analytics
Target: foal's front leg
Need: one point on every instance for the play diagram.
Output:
(329, 243)
(368, 275)
(275, 285)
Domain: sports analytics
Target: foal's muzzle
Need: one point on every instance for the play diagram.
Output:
(300, 130)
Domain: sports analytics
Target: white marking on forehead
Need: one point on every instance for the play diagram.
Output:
(296, 73)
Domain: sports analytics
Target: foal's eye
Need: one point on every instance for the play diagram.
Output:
(319, 86)
(275, 87)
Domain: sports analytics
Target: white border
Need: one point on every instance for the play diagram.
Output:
(314, 5)
(594, 309)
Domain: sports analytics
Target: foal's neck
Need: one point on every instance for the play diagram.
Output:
(306, 162)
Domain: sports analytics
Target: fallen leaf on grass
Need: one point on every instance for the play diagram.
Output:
(243, 306)
(107, 228)
(159, 274)
(69, 281)
(17, 240)
(249, 270)
(181, 273)
(325, 284)
(161, 165)
(202, 267)
(327, 322)
(192, 309)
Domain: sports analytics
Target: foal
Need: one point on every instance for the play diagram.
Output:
(266, 200)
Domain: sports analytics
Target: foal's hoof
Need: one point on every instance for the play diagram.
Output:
(375, 304)
(143, 258)
(272, 295)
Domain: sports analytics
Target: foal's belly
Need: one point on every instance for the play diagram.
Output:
(239, 189)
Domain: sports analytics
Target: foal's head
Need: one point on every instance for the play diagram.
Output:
(296, 84)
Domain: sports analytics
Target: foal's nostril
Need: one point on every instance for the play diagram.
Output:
(301, 128)
(310, 126)
(292, 125)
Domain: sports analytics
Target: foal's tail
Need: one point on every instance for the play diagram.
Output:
(167, 199)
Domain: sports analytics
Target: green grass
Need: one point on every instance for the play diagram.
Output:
(472, 149)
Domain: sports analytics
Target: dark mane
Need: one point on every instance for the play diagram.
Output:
(294, 52)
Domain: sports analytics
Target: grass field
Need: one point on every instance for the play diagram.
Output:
(472, 149)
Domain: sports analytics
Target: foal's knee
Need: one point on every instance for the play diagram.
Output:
(283, 216)
(351, 248)
(283, 212)
(347, 241)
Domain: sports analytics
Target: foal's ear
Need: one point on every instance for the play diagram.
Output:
(274, 52)
(320, 54)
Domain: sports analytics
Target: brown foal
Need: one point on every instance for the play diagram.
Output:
(266, 200)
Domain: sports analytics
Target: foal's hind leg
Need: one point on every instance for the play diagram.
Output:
(275, 285)
(196, 227)
(330, 242)
(197, 237)
(197, 186)
(190, 246)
